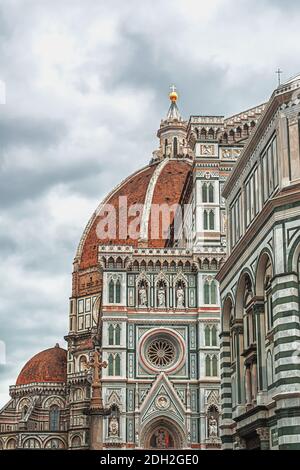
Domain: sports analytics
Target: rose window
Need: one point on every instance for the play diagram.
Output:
(161, 352)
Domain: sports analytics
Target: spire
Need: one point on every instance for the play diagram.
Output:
(172, 133)
(173, 112)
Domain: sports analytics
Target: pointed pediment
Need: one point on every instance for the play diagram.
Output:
(163, 400)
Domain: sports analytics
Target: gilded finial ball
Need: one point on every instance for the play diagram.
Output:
(173, 95)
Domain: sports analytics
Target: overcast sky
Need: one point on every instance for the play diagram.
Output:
(86, 86)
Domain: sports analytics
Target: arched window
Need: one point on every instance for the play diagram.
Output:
(32, 444)
(118, 291)
(166, 146)
(213, 291)
(117, 365)
(173, 266)
(75, 441)
(110, 365)
(203, 134)
(231, 135)
(82, 364)
(207, 366)
(211, 220)
(187, 266)
(111, 263)
(24, 411)
(150, 266)
(207, 335)
(205, 265)
(110, 335)
(175, 147)
(204, 192)
(214, 264)
(215, 366)
(55, 444)
(11, 444)
(54, 415)
(206, 292)
(114, 365)
(214, 336)
(210, 134)
(77, 394)
(205, 220)
(211, 193)
(117, 334)
(111, 290)
(136, 266)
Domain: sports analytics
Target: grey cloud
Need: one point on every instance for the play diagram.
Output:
(28, 131)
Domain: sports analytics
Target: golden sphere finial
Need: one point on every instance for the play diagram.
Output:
(173, 94)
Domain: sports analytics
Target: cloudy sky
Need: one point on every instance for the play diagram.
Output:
(86, 86)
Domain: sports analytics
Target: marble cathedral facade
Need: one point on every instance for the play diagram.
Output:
(259, 284)
(142, 367)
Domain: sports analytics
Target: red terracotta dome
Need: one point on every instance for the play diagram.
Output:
(158, 183)
(46, 366)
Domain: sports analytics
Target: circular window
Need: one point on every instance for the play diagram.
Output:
(162, 349)
(161, 352)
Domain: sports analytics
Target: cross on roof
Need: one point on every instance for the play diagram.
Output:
(279, 72)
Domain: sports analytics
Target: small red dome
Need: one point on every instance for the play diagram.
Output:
(46, 366)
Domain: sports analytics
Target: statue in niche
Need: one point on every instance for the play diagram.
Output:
(213, 427)
(161, 297)
(180, 297)
(143, 296)
(113, 426)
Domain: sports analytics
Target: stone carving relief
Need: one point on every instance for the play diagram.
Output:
(207, 149)
(162, 402)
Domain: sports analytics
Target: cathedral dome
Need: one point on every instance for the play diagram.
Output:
(46, 366)
(161, 182)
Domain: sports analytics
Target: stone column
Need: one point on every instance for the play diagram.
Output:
(248, 386)
(286, 338)
(226, 394)
(239, 346)
(259, 312)
(254, 381)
